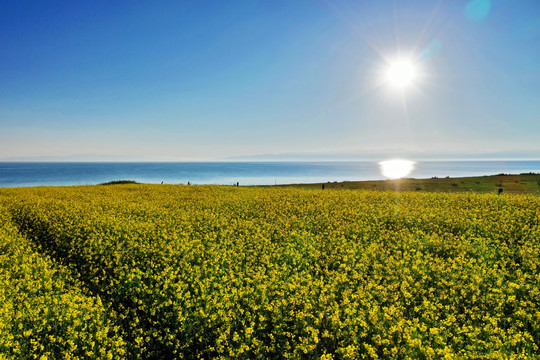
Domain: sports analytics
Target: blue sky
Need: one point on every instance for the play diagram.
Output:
(204, 80)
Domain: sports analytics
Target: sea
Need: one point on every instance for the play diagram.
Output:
(21, 174)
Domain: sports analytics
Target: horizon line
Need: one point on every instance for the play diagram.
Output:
(268, 161)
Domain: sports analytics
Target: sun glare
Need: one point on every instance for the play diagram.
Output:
(395, 169)
(401, 73)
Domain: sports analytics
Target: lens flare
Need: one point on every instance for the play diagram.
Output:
(395, 169)
(477, 10)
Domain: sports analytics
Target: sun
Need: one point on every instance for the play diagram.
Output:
(401, 73)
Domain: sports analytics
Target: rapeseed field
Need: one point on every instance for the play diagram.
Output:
(188, 272)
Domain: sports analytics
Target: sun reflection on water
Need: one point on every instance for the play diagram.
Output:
(396, 168)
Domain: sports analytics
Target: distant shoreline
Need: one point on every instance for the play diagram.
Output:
(14, 174)
(525, 183)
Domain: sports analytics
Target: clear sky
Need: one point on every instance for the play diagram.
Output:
(204, 80)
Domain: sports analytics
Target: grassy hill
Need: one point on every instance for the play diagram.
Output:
(510, 184)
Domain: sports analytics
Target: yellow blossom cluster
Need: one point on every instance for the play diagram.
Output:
(255, 273)
(44, 314)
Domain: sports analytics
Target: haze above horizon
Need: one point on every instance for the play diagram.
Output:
(206, 80)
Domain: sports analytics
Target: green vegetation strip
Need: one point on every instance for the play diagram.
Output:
(119, 182)
(509, 184)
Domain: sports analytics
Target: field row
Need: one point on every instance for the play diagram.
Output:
(43, 312)
(227, 272)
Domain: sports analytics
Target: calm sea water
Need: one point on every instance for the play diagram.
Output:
(13, 174)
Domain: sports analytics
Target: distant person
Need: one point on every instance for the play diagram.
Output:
(500, 191)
